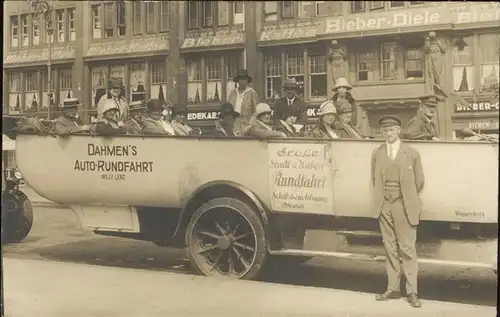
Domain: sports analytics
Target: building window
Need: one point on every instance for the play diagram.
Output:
(98, 84)
(270, 11)
(137, 18)
(214, 78)
(273, 76)
(65, 85)
(194, 81)
(388, 61)
(287, 9)
(463, 64)
(121, 28)
(209, 13)
(223, 13)
(15, 93)
(31, 96)
(14, 31)
(150, 17)
(35, 30)
(71, 24)
(365, 66)
(233, 63)
(238, 12)
(414, 63)
(357, 6)
(96, 22)
(164, 9)
(24, 30)
(60, 31)
(317, 77)
(193, 14)
(46, 98)
(321, 8)
(375, 5)
(490, 60)
(397, 4)
(137, 81)
(158, 80)
(109, 16)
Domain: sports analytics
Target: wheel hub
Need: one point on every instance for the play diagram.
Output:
(224, 242)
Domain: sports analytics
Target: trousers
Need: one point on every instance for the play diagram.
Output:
(400, 239)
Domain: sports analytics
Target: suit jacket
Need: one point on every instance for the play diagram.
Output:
(343, 131)
(420, 128)
(65, 126)
(299, 108)
(150, 126)
(412, 180)
(261, 131)
(108, 128)
(290, 131)
(133, 127)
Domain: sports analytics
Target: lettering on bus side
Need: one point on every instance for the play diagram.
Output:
(103, 159)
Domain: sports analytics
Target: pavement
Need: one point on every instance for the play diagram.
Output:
(46, 288)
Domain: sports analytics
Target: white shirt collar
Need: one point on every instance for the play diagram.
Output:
(290, 101)
(394, 146)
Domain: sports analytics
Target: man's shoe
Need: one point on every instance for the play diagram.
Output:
(388, 295)
(414, 301)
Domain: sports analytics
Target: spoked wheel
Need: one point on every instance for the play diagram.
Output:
(17, 217)
(225, 238)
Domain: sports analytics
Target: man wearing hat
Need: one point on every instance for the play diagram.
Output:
(181, 128)
(343, 126)
(67, 123)
(398, 179)
(225, 126)
(262, 127)
(134, 122)
(291, 100)
(244, 99)
(110, 124)
(421, 126)
(115, 86)
(153, 123)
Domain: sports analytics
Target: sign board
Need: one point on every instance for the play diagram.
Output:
(484, 125)
(215, 40)
(482, 106)
(386, 20)
(300, 178)
(475, 13)
(202, 115)
(290, 33)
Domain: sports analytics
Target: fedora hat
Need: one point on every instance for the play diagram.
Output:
(341, 82)
(115, 82)
(290, 83)
(155, 104)
(137, 106)
(70, 103)
(242, 73)
(227, 109)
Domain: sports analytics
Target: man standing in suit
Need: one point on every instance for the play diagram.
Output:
(398, 179)
(421, 126)
(299, 107)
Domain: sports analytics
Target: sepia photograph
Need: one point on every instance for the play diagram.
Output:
(250, 158)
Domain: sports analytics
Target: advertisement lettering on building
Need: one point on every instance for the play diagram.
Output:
(217, 40)
(478, 107)
(484, 125)
(476, 13)
(288, 34)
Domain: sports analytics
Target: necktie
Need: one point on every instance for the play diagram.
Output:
(391, 152)
(289, 102)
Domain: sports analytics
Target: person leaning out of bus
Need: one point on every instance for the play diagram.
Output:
(67, 123)
(343, 126)
(154, 123)
(110, 123)
(421, 126)
(287, 122)
(225, 126)
(244, 99)
(262, 124)
(181, 128)
(324, 129)
(137, 111)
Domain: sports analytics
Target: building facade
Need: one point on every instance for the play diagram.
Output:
(189, 51)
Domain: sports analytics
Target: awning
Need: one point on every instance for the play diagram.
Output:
(8, 144)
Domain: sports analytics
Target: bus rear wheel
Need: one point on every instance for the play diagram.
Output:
(226, 238)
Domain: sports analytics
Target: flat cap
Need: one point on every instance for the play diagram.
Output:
(388, 121)
(430, 100)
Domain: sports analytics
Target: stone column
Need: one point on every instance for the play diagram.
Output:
(175, 39)
(82, 20)
(251, 32)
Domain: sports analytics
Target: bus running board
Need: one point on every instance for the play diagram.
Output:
(378, 258)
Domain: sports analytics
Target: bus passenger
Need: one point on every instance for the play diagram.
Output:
(343, 126)
(327, 115)
(110, 124)
(134, 121)
(153, 123)
(225, 126)
(421, 126)
(244, 99)
(286, 123)
(262, 124)
(115, 86)
(67, 123)
(181, 128)
(291, 101)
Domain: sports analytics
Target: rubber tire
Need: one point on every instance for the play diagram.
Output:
(22, 222)
(250, 215)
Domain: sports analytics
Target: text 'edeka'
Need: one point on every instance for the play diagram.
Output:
(113, 169)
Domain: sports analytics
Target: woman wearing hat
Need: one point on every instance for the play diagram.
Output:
(153, 123)
(286, 123)
(262, 127)
(110, 124)
(243, 98)
(343, 126)
(225, 126)
(181, 128)
(115, 86)
(327, 115)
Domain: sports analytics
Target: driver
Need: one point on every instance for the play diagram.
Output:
(421, 126)
(67, 123)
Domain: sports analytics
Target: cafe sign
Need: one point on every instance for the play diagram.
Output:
(477, 107)
(473, 13)
(385, 20)
(289, 33)
(215, 40)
